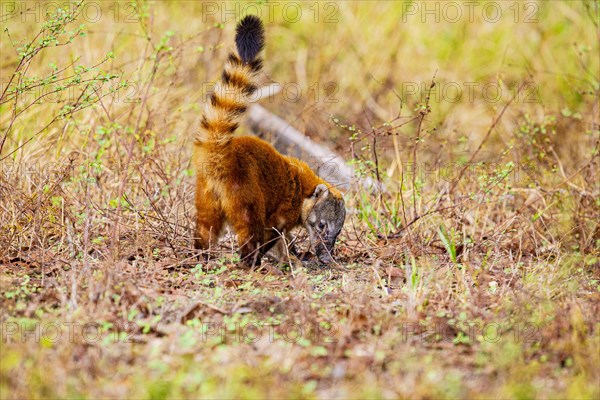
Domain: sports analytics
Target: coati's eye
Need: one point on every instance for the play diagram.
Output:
(321, 225)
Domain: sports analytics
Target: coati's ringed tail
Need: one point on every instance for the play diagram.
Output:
(228, 101)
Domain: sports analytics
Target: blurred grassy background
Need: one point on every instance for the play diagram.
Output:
(348, 59)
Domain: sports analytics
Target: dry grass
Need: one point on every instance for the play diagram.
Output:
(476, 274)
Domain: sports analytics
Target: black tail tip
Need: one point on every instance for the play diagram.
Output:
(249, 38)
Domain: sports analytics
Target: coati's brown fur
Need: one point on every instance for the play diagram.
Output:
(244, 181)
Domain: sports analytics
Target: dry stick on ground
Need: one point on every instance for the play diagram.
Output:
(401, 175)
(375, 156)
(422, 114)
(566, 179)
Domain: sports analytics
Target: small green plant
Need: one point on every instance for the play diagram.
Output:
(449, 242)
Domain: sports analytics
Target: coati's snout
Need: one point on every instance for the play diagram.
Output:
(323, 215)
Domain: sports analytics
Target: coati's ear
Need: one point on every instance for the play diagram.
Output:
(320, 191)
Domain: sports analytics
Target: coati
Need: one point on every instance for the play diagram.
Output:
(244, 181)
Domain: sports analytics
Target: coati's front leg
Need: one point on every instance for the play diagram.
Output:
(255, 238)
(247, 221)
(273, 242)
(284, 253)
